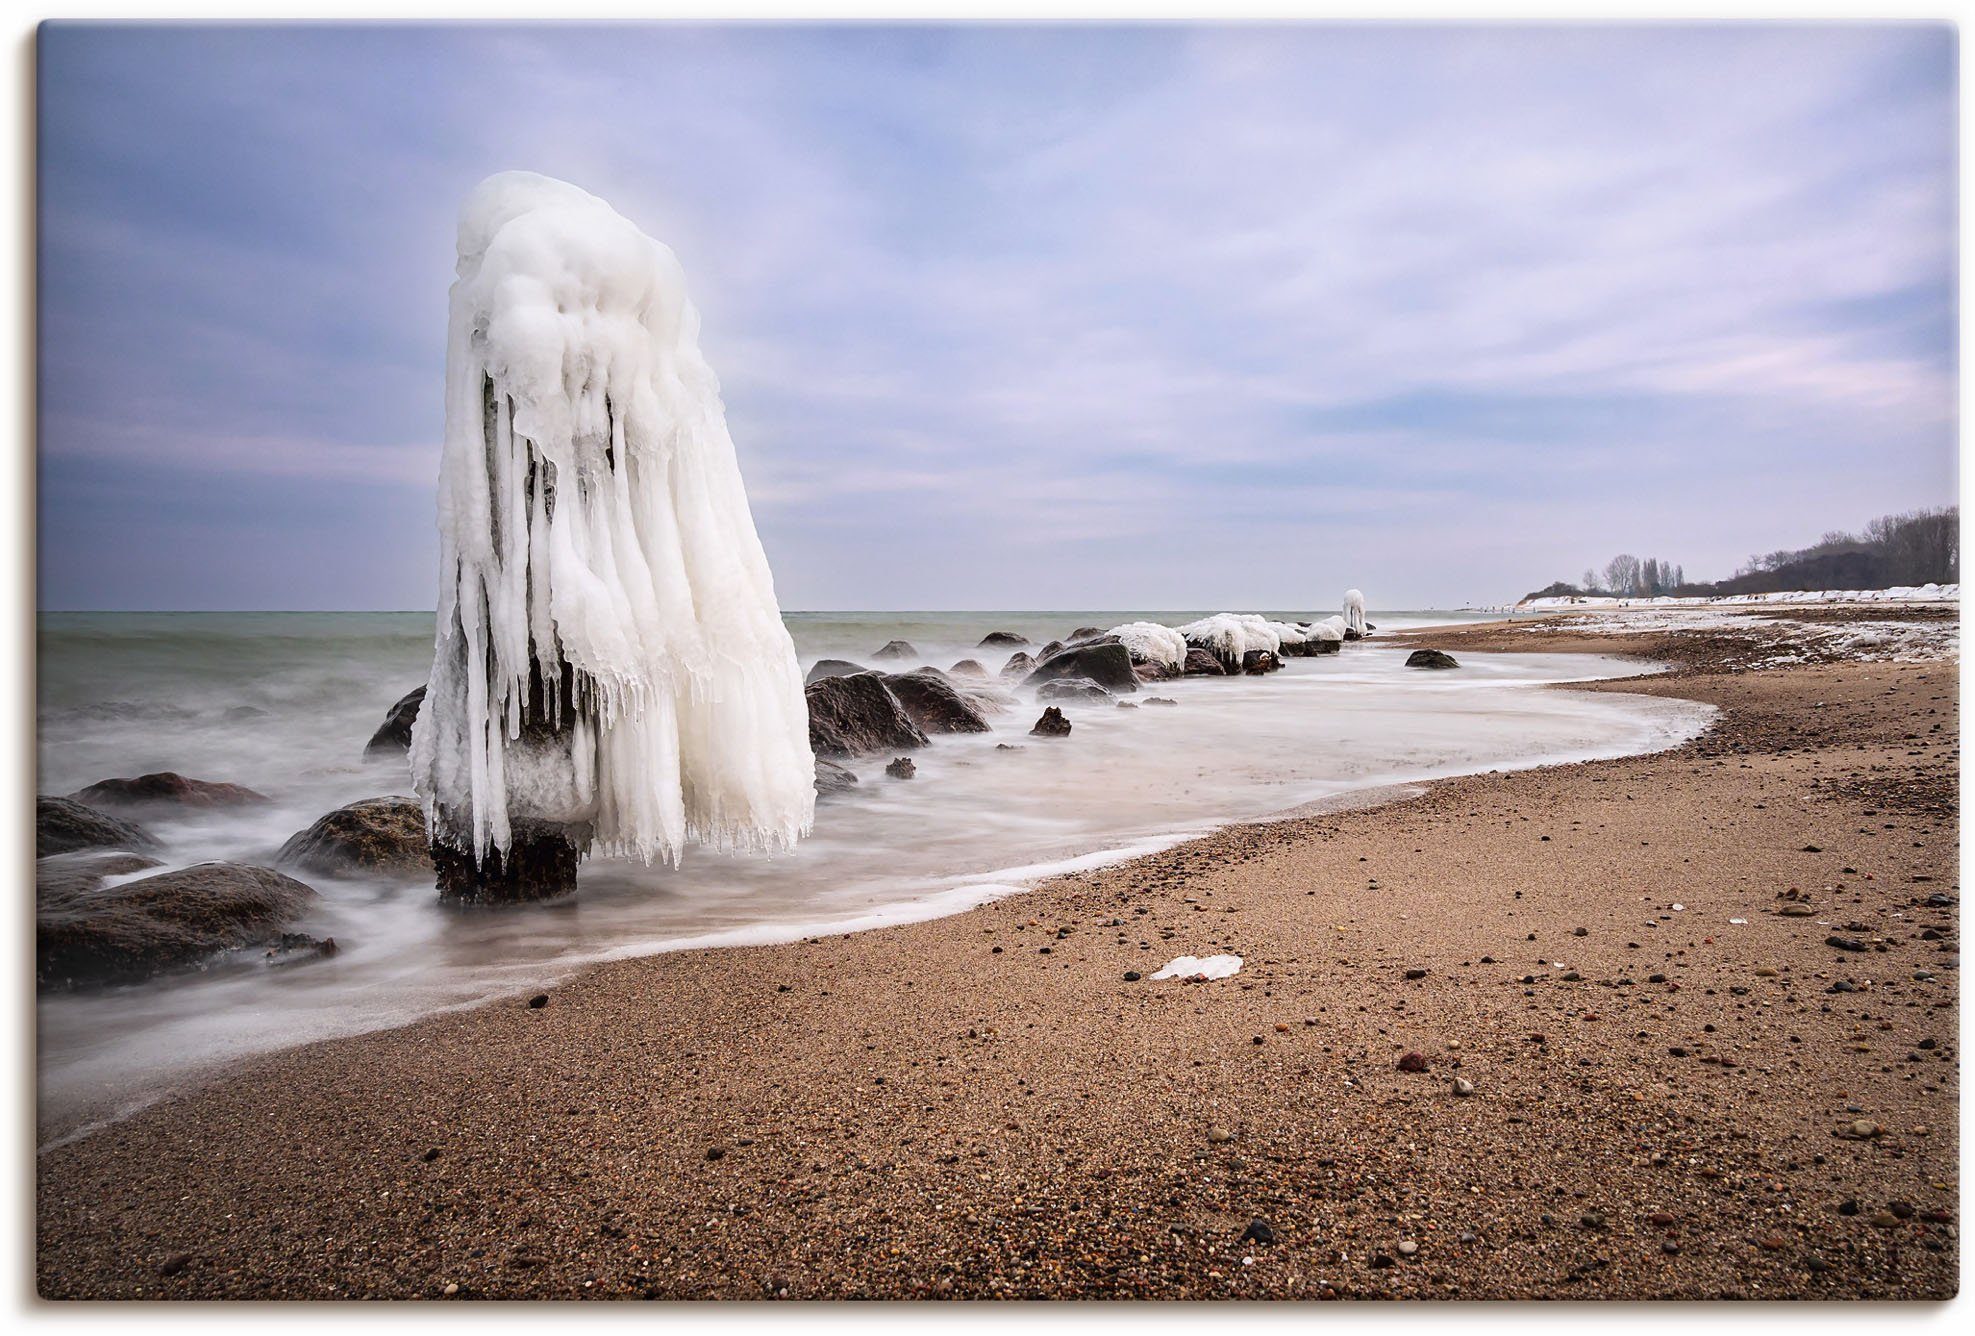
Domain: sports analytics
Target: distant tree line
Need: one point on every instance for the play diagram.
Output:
(1913, 548)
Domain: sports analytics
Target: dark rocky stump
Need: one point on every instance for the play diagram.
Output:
(540, 864)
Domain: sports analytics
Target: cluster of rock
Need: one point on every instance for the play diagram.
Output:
(107, 910)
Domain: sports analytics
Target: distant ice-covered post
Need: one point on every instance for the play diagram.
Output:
(1354, 615)
(611, 672)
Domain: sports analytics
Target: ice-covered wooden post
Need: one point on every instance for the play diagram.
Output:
(611, 672)
(1354, 615)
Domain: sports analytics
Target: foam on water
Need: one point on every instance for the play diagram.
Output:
(284, 703)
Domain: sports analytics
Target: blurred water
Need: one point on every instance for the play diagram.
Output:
(283, 702)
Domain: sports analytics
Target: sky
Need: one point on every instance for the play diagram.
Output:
(1012, 318)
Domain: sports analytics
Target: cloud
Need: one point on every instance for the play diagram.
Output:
(1001, 311)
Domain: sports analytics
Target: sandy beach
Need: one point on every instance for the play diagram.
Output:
(1673, 1026)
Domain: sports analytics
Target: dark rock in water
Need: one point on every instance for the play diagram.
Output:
(1125, 704)
(1006, 746)
(1430, 658)
(1019, 664)
(1200, 663)
(833, 668)
(1314, 647)
(897, 649)
(1109, 666)
(298, 948)
(1085, 633)
(1074, 688)
(902, 768)
(1352, 633)
(934, 703)
(1255, 662)
(380, 836)
(1154, 672)
(832, 778)
(135, 929)
(1053, 647)
(62, 824)
(857, 715)
(166, 789)
(83, 870)
(540, 864)
(1160, 700)
(968, 668)
(394, 735)
(1051, 725)
(995, 639)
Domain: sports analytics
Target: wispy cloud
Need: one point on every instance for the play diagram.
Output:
(1007, 316)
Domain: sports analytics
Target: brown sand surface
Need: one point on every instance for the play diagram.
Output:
(1665, 1102)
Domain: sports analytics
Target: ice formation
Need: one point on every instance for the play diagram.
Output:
(1229, 635)
(1354, 612)
(610, 654)
(1330, 628)
(1149, 642)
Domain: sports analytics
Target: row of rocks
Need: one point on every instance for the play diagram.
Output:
(97, 924)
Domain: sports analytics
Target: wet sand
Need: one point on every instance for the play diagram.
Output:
(1665, 1102)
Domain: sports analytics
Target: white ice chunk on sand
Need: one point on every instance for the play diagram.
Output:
(610, 652)
(1213, 967)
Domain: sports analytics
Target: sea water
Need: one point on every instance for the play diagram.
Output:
(284, 703)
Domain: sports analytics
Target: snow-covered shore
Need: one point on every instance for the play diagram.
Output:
(1927, 593)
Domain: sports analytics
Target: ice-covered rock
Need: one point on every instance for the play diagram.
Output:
(1149, 642)
(610, 658)
(1229, 636)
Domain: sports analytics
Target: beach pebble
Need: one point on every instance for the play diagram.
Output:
(1412, 1062)
(1463, 1087)
(1218, 1135)
(1258, 1231)
(1407, 1247)
(537, 1002)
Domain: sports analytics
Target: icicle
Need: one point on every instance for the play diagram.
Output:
(610, 656)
